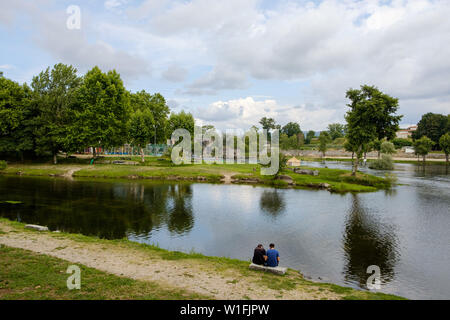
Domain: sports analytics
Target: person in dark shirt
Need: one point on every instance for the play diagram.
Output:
(273, 257)
(259, 255)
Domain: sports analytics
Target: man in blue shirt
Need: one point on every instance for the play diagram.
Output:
(273, 257)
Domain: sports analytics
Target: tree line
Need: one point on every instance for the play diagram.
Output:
(63, 112)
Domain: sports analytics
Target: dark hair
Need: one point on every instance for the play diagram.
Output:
(271, 245)
(259, 246)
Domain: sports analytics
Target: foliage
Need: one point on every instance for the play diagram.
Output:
(400, 143)
(53, 94)
(324, 140)
(141, 129)
(3, 165)
(181, 120)
(309, 136)
(291, 129)
(387, 148)
(433, 126)
(444, 142)
(336, 130)
(103, 111)
(423, 146)
(385, 163)
(371, 116)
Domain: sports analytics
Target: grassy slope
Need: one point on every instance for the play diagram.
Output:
(30, 276)
(155, 168)
(24, 271)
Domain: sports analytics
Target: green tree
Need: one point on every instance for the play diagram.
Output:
(156, 104)
(103, 109)
(182, 120)
(324, 140)
(423, 146)
(17, 118)
(387, 148)
(291, 129)
(371, 116)
(54, 95)
(140, 129)
(433, 126)
(309, 136)
(336, 130)
(444, 142)
(268, 124)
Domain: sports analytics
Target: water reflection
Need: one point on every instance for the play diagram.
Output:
(367, 242)
(105, 210)
(272, 202)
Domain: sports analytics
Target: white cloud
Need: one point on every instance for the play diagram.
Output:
(245, 112)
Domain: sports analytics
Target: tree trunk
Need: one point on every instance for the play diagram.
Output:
(142, 155)
(93, 152)
(424, 160)
(55, 158)
(379, 154)
(446, 158)
(355, 163)
(353, 155)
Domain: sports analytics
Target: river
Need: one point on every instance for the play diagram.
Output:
(404, 231)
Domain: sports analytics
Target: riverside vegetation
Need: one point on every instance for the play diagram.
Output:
(335, 180)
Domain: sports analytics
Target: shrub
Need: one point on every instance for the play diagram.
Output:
(400, 143)
(385, 163)
(3, 164)
(387, 148)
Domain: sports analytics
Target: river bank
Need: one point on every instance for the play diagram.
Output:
(180, 275)
(334, 180)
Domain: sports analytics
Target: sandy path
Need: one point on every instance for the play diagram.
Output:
(191, 275)
(69, 174)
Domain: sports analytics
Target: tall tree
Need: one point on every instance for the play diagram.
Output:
(182, 120)
(423, 146)
(156, 104)
(291, 129)
(433, 126)
(309, 136)
(103, 111)
(54, 95)
(371, 116)
(17, 118)
(336, 130)
(140, 129)
(444, 142)
(267, 123)
(324, 140)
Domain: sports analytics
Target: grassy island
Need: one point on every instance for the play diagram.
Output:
(334, 180)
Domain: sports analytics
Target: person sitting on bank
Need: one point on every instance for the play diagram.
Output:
(273, 257)
(259, 255)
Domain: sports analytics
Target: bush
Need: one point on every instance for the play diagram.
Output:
(387, 148)
(385, 163)
(400, 143)
(3, 165)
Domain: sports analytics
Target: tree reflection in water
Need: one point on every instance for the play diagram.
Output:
(272, 202)
(106, 210)
(368, 242)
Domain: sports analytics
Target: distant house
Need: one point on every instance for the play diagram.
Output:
(406, 133)
(294, 162)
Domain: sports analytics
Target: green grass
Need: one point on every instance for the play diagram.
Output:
(30, 276)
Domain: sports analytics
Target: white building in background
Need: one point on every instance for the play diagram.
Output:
(406, 133)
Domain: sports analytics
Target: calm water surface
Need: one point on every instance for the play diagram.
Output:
(405, 231)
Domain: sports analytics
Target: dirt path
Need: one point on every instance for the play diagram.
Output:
(69, 174)
(190, 274)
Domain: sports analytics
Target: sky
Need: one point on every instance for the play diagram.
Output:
(232, 62)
